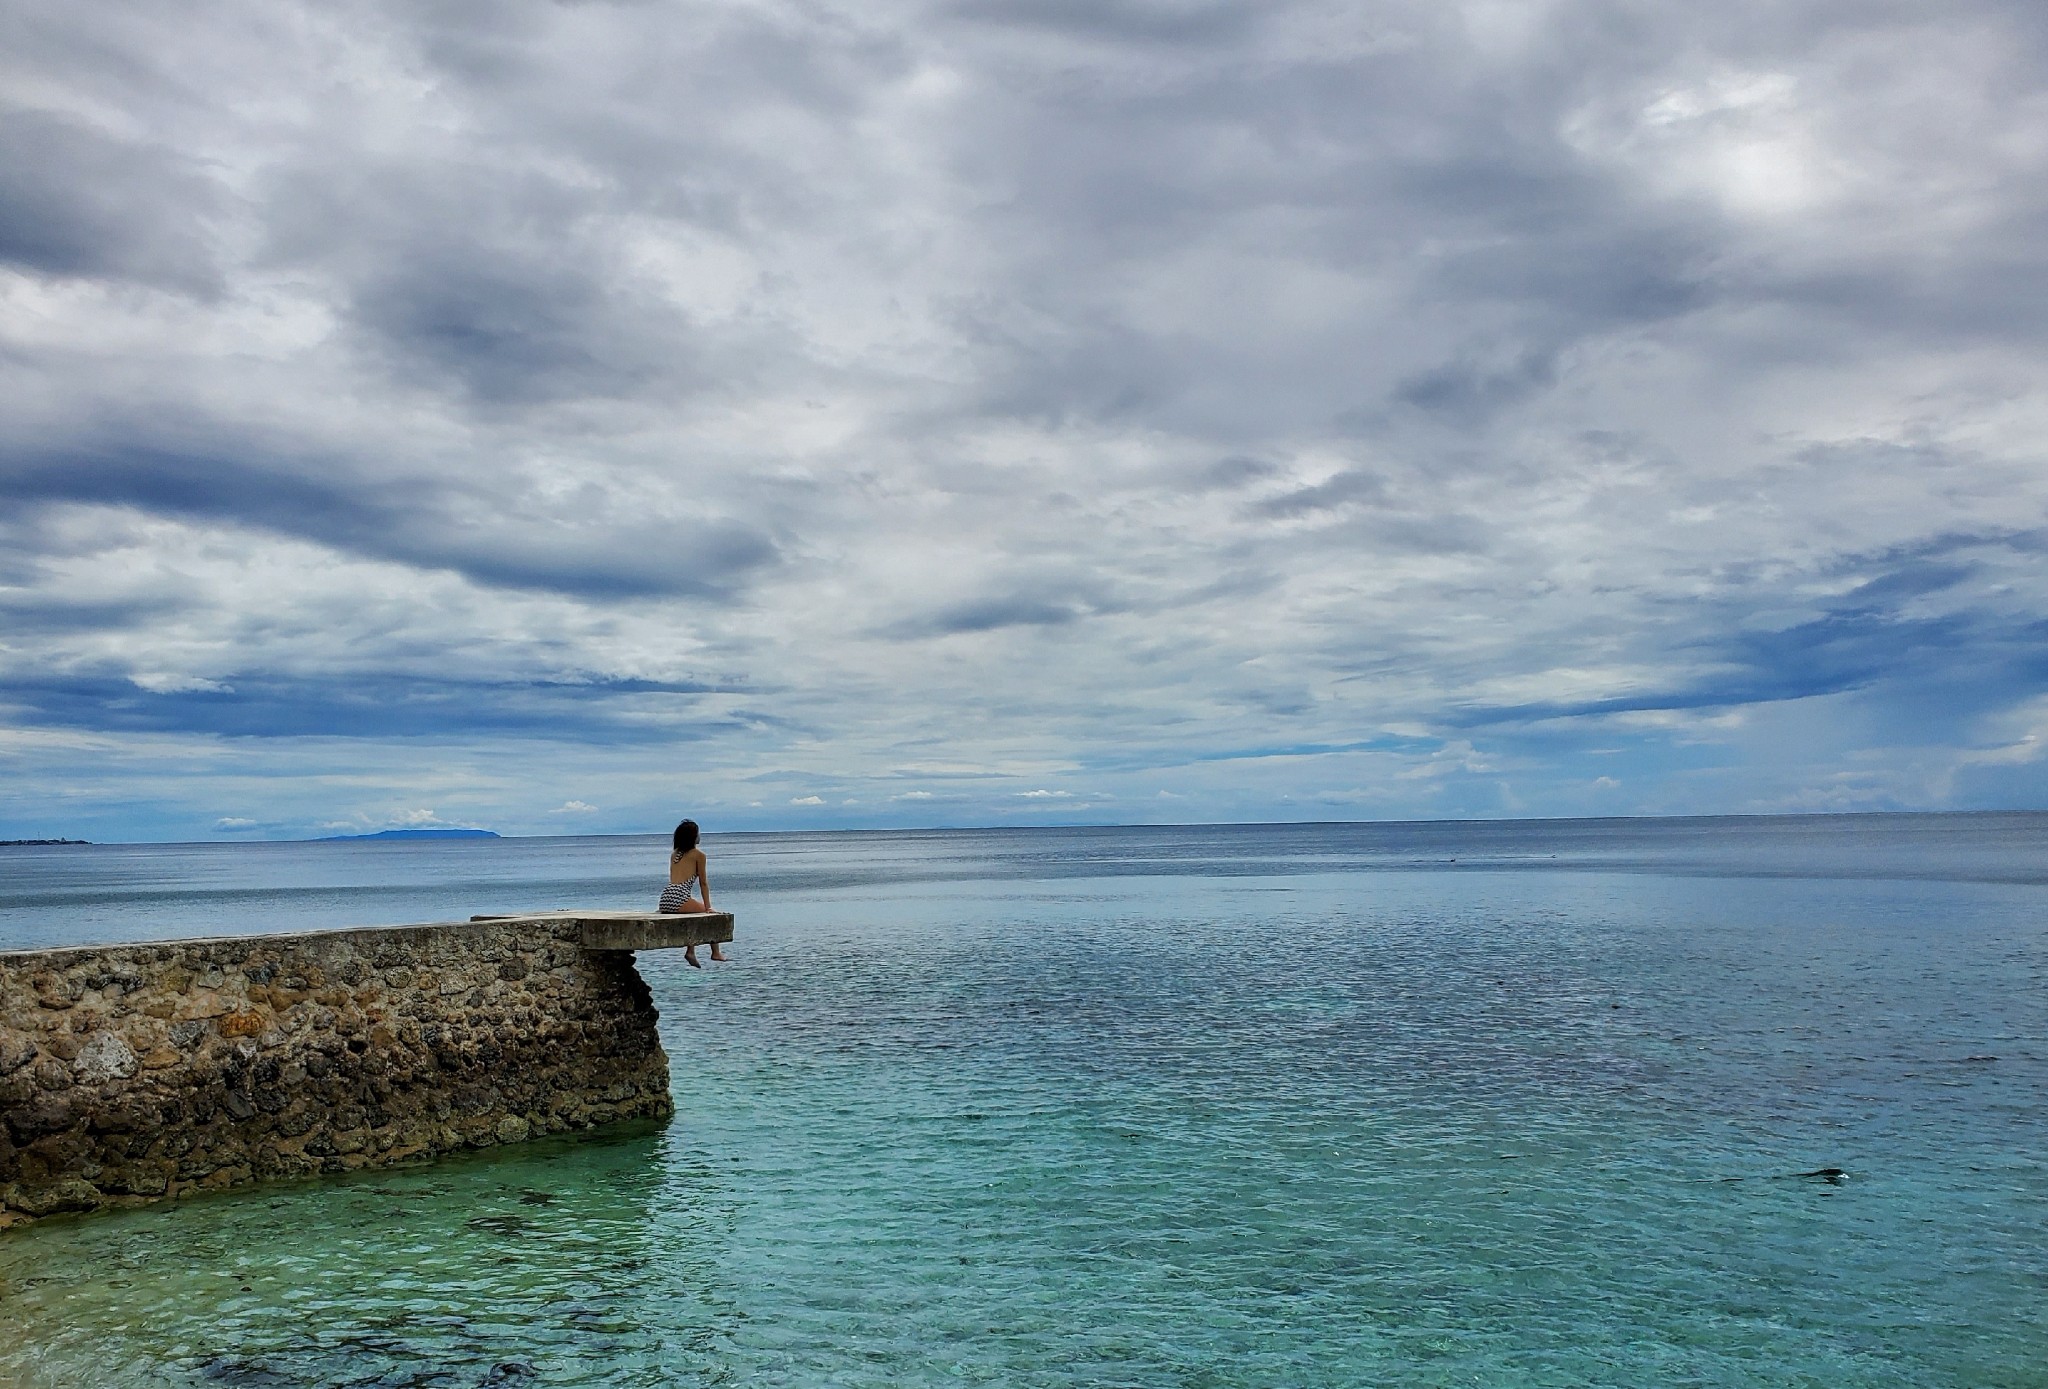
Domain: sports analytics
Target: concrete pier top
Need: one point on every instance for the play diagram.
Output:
(637, 930)
(593, 930)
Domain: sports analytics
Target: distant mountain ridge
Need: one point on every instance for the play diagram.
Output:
(414, 834)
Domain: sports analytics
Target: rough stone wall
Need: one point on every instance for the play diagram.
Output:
(131, 1073)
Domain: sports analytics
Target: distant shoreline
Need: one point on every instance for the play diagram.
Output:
(38, 843)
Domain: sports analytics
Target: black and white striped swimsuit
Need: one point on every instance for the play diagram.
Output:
(675, 894)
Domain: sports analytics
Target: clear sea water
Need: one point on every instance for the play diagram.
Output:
(1467, 1104)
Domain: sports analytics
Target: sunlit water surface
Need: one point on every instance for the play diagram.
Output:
(1307, 1105)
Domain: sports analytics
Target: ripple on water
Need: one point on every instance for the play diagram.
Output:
(1453, 1130)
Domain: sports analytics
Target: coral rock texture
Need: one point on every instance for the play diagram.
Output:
(131, 1073)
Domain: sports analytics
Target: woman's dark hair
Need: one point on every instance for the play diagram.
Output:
(686, 836)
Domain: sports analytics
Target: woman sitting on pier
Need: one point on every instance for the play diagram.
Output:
(686, 870)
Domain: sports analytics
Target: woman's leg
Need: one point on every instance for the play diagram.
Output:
(693, 905)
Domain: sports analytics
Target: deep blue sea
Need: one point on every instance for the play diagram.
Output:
(1516, 1103)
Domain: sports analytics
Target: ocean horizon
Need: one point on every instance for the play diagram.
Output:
(1717, 1101)
(484, 831)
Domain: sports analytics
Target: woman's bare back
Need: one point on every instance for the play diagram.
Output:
(689, 885)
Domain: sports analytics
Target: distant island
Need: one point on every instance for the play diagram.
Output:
(414, 834)
(36, 843)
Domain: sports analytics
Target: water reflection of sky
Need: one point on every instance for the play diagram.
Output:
(69, 895)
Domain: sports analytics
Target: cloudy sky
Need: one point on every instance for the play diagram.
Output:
(559, 417)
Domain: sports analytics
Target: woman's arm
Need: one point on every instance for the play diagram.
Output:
(704, 878)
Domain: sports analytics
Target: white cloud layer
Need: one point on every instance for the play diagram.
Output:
(990, 412)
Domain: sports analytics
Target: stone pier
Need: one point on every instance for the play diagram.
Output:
(133, 1073)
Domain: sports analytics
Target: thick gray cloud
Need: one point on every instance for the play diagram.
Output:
(77, 203)
(987, 411)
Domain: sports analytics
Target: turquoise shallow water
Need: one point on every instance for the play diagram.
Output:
(1336, 1105)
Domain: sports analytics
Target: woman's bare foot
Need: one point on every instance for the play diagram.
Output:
(719, 955)
(690, 957)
